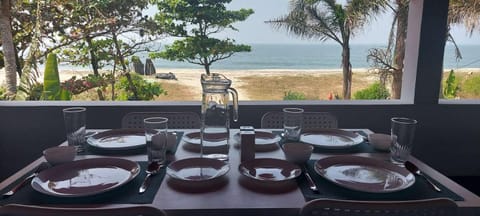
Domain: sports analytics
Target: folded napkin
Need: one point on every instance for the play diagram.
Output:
(419, 190)
(126, 194)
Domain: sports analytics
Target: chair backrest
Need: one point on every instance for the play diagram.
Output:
(311, 120)
(177, 120)
(21, 210)
(428, 207)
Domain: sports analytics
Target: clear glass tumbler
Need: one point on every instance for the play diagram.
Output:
(402, 134)
(156, 138)
(75, 124)
(292, 123)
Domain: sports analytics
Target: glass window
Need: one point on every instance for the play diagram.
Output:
(461, 75)
(283, 63)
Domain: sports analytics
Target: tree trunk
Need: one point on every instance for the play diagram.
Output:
(347, 71)
(399, 52)
(8, 49)
(124, 67)
(93, 56)
(206, 65)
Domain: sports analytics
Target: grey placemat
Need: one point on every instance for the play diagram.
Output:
(126, 194)
(419, 190)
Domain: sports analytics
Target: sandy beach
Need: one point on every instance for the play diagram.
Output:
(190, 78)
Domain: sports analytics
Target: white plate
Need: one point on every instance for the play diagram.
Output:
(197, 169)
(118, 139)
(85, 177)
(194, 137)
(364, 174)
(269, 170)
(264, 140)
(331, 138)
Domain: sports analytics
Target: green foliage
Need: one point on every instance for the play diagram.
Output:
(77, 86)
(2, 92)
(291, 95)
(450, 87)
(146, 90)
(196, 21)
(472, 85)
(136, 59)
(51, 81)
(374, 91)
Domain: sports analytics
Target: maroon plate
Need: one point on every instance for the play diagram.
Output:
(85, 177)
(364, 174)
(118, 139)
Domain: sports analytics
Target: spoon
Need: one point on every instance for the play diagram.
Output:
(414, 169)
(152, 169)
(310, 181)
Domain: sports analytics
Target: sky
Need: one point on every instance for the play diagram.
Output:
(254, 30)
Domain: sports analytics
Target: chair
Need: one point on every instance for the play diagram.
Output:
(428, 207)
(21, 210)
(177, 120)
(311, 120)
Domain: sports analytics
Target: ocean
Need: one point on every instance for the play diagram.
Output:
(316, 56)
(312, 56)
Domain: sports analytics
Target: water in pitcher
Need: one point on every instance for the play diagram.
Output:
(215, 115)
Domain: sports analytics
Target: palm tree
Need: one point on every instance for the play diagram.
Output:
(8, 48)
(326, 19)
(389, 62)
(466, 12)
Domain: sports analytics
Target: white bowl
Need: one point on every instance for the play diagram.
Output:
(380, 141)
(297, 152)
(59, 154)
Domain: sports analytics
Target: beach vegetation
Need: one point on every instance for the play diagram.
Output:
(471, 86)
(450, 86)
(376, 91)
(195, 22)
(329, 20)
(292, 95)
(146, 90)
(51, 81)
(82, 33)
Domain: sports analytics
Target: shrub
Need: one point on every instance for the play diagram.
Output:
(291, 95)
(374, 91)
(450, 86)
(145, 90)
(472, 86)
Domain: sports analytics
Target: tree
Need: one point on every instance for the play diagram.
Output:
(196, 21)
(8, 48)
(325, 19)
(389, 62)
(466, 12)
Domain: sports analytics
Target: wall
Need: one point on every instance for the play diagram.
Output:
(446, 137)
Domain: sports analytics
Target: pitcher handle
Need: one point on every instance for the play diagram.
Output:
(235, 103)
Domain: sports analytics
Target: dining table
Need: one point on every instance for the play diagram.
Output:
(237, 195)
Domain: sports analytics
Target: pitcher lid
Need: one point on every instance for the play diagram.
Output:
(215, 82)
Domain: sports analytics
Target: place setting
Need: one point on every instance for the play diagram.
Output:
(353, 177)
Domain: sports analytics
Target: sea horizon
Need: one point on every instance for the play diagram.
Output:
(305, 57)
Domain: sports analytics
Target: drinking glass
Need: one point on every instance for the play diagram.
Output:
(75, 123)
(156, 138)
(292, 123)
(402, 134)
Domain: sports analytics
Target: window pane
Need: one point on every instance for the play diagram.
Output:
(461, 76)
(287, 61)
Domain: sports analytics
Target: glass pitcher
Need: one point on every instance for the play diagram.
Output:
(215, 127)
